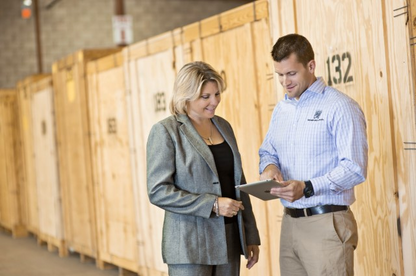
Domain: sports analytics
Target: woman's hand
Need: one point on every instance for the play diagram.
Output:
(229, 207)
(253, 255)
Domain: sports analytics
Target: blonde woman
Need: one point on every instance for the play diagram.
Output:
(193, 165)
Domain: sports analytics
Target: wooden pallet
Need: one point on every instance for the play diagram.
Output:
(53, 244)
(16, 231)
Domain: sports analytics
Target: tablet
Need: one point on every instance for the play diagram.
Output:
(260, 189)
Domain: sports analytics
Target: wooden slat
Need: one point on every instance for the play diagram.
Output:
(210, 26)
(177, 36)
(160, 43)
(137, 50)
(238, 17)
(109, 62)
(261, 9)
(191, 32)
(43, 84)
(92, 67)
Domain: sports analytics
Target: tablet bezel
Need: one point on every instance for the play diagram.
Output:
(260, 189)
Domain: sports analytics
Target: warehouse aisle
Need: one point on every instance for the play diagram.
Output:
(23, 257)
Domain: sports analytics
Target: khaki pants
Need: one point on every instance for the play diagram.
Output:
(320, 245)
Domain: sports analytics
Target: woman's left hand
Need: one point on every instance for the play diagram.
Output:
(253, 255)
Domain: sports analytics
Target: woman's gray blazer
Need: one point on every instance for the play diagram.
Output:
(182, 179)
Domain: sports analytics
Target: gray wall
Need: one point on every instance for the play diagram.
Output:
(71, 25)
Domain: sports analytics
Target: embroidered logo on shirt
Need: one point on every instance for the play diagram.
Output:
(316, 116)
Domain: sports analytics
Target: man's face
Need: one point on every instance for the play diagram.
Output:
(293, 76)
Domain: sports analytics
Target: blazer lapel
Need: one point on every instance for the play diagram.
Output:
(193, 137)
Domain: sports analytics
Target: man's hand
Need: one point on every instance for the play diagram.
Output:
(271, 172)
(292, 190)
(253, 255)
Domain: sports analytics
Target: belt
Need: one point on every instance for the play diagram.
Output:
(318, 210)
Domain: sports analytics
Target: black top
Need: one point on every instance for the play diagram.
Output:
(224, 161)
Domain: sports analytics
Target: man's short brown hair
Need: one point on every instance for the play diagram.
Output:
(293, 43)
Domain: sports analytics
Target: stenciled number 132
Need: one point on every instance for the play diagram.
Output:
(336, 62)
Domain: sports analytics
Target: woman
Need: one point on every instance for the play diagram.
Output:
(193, 166)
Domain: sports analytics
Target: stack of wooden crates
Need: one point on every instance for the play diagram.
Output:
(106, 101)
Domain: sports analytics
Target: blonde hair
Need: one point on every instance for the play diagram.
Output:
(189, 83)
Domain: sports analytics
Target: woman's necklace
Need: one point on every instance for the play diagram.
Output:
(209, 138)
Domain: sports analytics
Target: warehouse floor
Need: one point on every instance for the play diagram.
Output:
(24, 257)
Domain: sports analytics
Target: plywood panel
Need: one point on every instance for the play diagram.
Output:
(402, 97)
(239, 105)
(24, 91)
(51, 227)
(151, 81)
(135, 137)
(111, 162)
(282, 15)
(11, 186)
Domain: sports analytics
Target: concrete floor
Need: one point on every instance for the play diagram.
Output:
(24, 257)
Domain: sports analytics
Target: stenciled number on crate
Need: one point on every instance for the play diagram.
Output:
(335, 64)
(69, 74)
(224, 77)
(111, 125)
(43, 124)
(160, 101)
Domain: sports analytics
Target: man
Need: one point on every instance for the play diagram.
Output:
(316, 146)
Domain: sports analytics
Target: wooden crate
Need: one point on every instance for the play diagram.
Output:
(368, 57)
(12, 205)
(24, 102)
(73, 133)
(51, 228)
(150, 68)
(110, 149)
(37, 126)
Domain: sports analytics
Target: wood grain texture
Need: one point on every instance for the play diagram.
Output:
(12, 203)
(402, 97)
(150, 80)
(133, 89)
(24, 94)
(357, 28)
(45, 162)
(240, 106)
(73, 137)
(110, 146)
